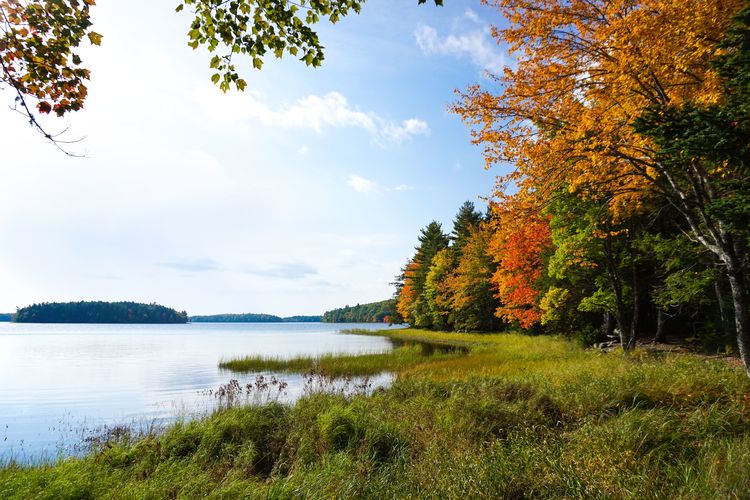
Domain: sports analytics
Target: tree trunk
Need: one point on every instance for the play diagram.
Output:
(741, 319)
(616, 284)
(620, 318)
(608, 325)
(661, 334)
(636, 312)
(720, 300)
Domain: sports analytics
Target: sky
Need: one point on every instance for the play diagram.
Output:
(304, 193)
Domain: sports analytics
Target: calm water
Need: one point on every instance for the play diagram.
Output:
(59, 383)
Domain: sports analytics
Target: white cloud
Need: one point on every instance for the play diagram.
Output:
(472, 16)
(312, 112)
(399, 133)
(477, 45)
(404, 187)
(362, 185)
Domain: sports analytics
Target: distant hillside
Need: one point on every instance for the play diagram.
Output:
(252, 318)
(374, 312)
(98, 312)
(4, 317)
(237, 318)
(303, 319)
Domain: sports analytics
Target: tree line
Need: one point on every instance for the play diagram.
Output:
(446, 284)
(374, 312)
(626, 210)
(98, 312)
(253, 318)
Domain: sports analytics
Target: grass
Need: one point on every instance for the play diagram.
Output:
(408, 352)
(515, 417)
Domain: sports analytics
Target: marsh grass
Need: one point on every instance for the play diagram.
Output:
(401, 357)
(515, 417)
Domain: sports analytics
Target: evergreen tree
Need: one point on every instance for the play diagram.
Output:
(431, 241)
(466, 220)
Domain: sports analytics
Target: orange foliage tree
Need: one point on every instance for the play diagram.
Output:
(586, 71)
(406, 294)
(518, 245)
(567, 114)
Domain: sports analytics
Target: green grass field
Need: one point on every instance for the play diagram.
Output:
(515, 417)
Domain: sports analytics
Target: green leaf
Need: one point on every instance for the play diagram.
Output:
(215, 78)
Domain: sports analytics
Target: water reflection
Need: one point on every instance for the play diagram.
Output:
(430, 348)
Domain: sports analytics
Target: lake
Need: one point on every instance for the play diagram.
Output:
(62, 383)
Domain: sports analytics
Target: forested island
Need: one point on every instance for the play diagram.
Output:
(374, 312)
(98, 312)
(5, 317)
(253, 318)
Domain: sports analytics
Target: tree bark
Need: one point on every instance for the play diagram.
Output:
(720, 300)
(741, 318)
(608, 326)
(661, 334)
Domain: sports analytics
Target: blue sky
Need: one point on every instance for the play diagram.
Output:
(304, 193)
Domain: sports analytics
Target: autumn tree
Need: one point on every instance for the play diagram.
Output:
(703, 151)
(455, 293)
(587, 70)
(405, 293)
(431, 241)
(472, 296)
(412, 303)
(521, 237)
(39, 42)
(437, 296)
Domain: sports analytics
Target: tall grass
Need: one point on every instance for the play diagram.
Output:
(397, 360)
(515, 417)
